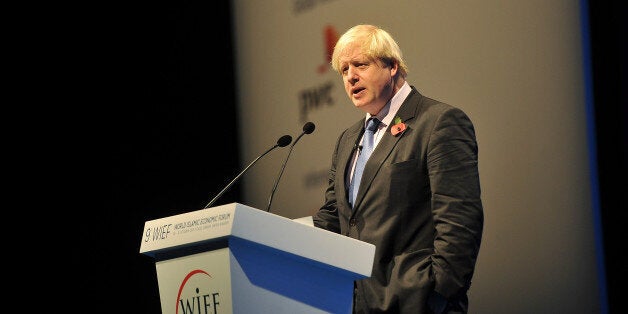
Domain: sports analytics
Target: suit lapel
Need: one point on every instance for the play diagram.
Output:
(345, 155)
(387, 143)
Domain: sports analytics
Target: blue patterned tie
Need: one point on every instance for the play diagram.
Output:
(364, 154)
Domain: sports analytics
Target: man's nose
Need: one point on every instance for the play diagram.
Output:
(351, 76)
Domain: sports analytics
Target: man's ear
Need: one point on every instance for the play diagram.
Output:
(394, 68)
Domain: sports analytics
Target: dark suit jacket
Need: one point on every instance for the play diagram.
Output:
(418, 203)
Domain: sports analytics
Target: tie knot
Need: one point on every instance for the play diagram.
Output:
(372, 124)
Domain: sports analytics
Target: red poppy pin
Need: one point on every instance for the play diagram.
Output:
(398, 126)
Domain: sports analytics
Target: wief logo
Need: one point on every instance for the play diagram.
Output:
(196, 296)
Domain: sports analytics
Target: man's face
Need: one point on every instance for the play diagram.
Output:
(368, 83)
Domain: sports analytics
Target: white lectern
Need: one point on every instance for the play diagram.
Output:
(237, 259)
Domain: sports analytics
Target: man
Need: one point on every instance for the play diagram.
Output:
(418, 200)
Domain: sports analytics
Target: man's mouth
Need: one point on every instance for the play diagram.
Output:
(357, 90)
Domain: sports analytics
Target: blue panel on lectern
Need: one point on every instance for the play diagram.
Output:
(316, 284)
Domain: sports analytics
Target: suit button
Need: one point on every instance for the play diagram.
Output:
(352, 222)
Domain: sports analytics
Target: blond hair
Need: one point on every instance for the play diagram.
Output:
(374, 42)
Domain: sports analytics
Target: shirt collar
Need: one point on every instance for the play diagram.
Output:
(387, 114)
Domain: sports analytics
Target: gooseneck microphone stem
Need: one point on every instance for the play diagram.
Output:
(307, 129)
(282, 142)
(283, 166)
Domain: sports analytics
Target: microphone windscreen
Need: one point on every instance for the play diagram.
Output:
(308, 128)
(284, 140)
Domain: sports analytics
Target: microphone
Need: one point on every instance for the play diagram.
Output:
(357, 145)
(281, 142)
(307, 129)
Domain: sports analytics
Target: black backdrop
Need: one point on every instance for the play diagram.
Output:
(166, 139)
(608, 25)
(163, 140)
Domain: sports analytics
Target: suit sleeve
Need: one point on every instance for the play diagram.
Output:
(327, 216)
(456, 205)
